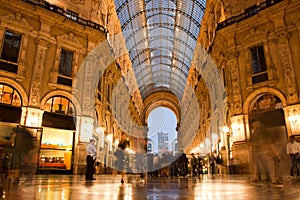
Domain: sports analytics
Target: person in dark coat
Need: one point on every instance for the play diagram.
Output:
(90, 160)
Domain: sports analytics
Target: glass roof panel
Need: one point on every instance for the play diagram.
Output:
(161, 36)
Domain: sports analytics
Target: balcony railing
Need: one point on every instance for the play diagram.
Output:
(66, 14)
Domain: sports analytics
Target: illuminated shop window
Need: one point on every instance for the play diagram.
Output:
(9, 96)
(59, 105)
(10, 52)
(56, 149)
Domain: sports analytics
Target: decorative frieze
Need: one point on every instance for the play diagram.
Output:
(38, 69)
(236, 86)
(288, 68)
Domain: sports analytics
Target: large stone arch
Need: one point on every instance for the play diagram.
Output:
(18, 87)
(260, 91)
(62, 93)
(161, 99)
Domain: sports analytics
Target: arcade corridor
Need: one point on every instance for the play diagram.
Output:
(78, 73)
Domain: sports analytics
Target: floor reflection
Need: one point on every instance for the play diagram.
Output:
(108, 187)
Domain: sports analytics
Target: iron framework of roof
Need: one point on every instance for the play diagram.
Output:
(161, 36)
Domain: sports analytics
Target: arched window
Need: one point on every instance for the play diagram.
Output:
(9, 96)
(60, 105)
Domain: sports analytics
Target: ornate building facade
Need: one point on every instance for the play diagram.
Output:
(65, 70)
(255, 45)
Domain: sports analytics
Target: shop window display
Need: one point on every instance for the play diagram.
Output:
(56, 149)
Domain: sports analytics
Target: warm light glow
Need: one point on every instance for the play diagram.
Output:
(225, 129)
(207, 142)
(109, 137)
(214, 137)
(235, 128)
(202, 146)
(117, 142)
(293, 119)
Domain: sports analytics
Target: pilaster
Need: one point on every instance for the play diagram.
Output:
(37, 76)
(235, 81)
(288, 67)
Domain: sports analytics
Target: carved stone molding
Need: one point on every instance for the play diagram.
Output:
(37, 77)
(236, 90)
(254, 36)
(287, 65)
(16, 22)
(71, 41)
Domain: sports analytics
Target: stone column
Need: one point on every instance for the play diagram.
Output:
(38, 69)
(287, 64)
(236, 84)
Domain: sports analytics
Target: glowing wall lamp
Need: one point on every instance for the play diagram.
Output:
(226, 129)
(293, 119)
(117, 142)
(235, 128)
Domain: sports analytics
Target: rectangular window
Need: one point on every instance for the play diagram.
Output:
(10, 52)
(258, 60)
(65, 65)
(65, 68)
(259, 67)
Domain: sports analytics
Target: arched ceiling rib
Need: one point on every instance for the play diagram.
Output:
(160, 36)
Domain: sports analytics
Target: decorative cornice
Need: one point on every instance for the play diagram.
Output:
(249, 12)
(62, 12)
(17, 21)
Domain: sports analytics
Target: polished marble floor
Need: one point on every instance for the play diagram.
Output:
(109, 187)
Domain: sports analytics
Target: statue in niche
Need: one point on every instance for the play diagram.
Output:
(215, 13)
(219, 11)
(95, 10)
(103, 12)
(211, 27)
(205, 38)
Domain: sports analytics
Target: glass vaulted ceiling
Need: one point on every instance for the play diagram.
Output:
(160, 36)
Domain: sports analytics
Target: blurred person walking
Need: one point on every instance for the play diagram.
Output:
(194, 163)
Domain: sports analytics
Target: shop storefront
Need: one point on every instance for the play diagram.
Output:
(57, 140)
(56, 151)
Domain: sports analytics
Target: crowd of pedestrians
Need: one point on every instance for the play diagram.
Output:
(181, 165)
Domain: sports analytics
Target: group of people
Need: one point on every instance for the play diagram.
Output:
(91, 153)
(265, 155)
(266, 149)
